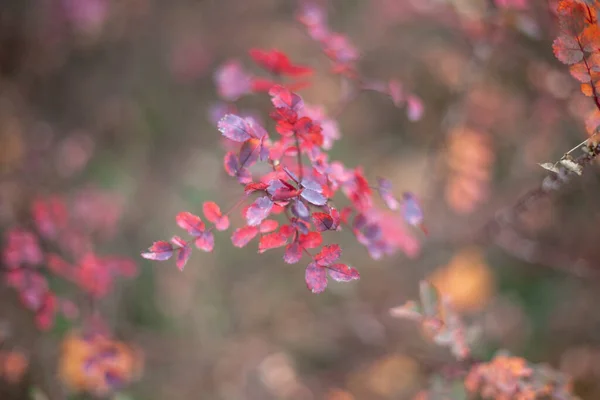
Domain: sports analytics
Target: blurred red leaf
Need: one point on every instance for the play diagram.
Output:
(159, 251)
(278, 63)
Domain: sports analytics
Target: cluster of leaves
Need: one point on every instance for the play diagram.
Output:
(508, 377)
(301, 193)
(95, 363)
(300, 181)
(60, 244)
(578, 45)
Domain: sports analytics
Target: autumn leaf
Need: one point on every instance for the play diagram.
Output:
(159, 251)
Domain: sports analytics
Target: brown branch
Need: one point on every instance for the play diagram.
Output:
(493, 229)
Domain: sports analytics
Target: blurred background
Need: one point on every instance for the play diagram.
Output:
(116, 94)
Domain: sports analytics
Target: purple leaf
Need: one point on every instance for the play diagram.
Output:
(314, 197)
(300, 210)
(234, 128)
(183, 255)
(312, 185)
(159, 251)
(316, 278)
(258, 211)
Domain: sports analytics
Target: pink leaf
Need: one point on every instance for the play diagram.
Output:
(206, 241)
(159, 251)
(258, 211)
(328, 254)
(268, 225)
(232, 81)
(212, 212)
(271, 241)
(316, 278)
(179, 242)
(191, 223)
(293, 253)
(242, 236)
(183, 255)
(313, 197)
(342, 273)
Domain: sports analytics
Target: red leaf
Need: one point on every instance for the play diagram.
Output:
(271, 241)
(316, 278)
(258, 211)
(268, 225)
(293, 253)
(328, 255)
(277, 63)
(212, 212)
(322, 221)
(335, 215)
(242, 236)
(191, 223)
(159, 251)
(206, 241)
(311, 240)
(342, 273)
(287, 230)
(255, 186)
(262, 85)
